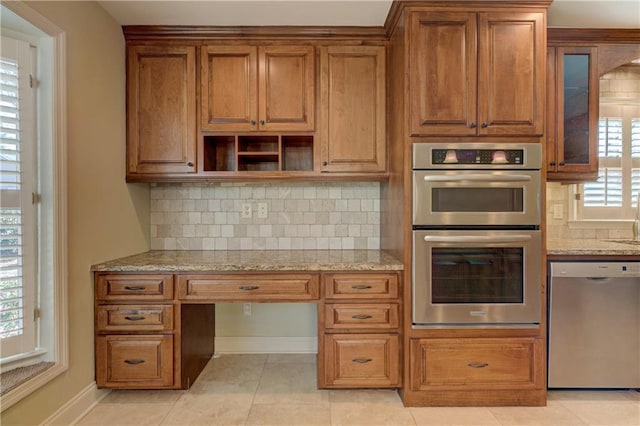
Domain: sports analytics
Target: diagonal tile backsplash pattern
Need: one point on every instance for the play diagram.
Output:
(300, 216)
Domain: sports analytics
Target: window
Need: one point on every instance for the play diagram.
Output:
(18, 210)
(614, 196)
(33, 271)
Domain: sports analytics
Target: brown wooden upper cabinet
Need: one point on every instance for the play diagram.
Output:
(161, 110)
(257, 88)
(352, 87)
(477, 73)
(572, 92)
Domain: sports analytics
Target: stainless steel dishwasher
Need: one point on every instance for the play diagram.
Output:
(594, 325)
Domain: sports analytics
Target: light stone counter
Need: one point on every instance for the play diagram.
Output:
(568, 247)
(252, 260)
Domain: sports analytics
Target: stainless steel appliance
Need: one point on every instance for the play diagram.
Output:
(594, 325)
(476, 184)
(477, 251)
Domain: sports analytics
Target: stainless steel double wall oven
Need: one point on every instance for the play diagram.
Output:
(477, 251)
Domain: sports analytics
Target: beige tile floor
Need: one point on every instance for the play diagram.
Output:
(281, 390)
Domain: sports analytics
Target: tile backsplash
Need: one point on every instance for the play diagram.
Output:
(562, 227)
(300, 216)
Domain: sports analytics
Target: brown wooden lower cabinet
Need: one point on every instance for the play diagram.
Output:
(476, 364)
(361, 360)
(140, 361)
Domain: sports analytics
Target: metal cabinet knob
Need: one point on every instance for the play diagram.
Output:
(485, 125)
(190, 164)
(473, 125)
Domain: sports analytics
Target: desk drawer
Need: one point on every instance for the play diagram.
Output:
(135, 318)
(505, 363)
(130, 362)
(360, 315)
(293, 287)
(361, 286)
(361, 360)
(134, 287)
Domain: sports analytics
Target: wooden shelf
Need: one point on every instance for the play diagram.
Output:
(257, 153)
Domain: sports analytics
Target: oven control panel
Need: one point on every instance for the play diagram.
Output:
(477, 156)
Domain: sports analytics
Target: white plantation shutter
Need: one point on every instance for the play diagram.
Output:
(606, 191)
(614, 195)
(635, 161)
(17, 212)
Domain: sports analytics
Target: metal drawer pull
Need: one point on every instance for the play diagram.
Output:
(134, 361)
(134, 318)
(134, 288)
(360, 287)
(249, 287)
(361, 317)
(478, 364)
(362, 360)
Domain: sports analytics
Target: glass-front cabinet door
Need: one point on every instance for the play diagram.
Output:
(573, 106)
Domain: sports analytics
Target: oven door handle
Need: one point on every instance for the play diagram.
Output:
(478, 178)
(476, 238)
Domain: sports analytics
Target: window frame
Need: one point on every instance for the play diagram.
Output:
(52, 113)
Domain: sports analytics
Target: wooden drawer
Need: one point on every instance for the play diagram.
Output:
(134, 318)
(474, 364)
(361, 360)
(134, 287)
(361, 286)
(134, 361)
(360, 315)
(243, 287)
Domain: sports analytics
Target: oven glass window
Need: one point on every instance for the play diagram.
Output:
(477, 275)
(479, 200)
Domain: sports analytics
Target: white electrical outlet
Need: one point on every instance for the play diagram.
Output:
(246, 309)
(262, 210)
(246, 210)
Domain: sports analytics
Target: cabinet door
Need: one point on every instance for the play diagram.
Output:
(161, 97)
(511, 73)
(361, 360)
(442, 73)
(286, 88)
(129, 362)
(577, 111)
(353, 109)
(477, 364)
(229, 97)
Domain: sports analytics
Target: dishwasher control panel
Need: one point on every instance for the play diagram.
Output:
(595, 269)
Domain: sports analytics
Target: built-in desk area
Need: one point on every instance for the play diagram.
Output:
(155, 312)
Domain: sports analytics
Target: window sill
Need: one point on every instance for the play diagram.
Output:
(624, 224)
(30, 385)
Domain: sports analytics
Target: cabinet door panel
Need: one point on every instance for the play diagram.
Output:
(511, 64)
(361, 360)
(474, 364)
(442, 69)
(229, 88)
(286, 88)
(353, 102)
(129, 362)
(161, 109)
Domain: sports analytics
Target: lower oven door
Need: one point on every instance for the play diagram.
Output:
(476, 277)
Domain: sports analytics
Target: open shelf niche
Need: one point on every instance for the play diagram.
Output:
(257, 153)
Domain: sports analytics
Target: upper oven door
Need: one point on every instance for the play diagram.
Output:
(476, 197)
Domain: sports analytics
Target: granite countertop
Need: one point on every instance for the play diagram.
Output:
(253, 260)
(593, 247)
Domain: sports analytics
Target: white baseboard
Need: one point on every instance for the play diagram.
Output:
(266, 345)
(77, 406)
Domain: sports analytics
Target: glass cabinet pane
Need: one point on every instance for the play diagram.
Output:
(576, 134)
